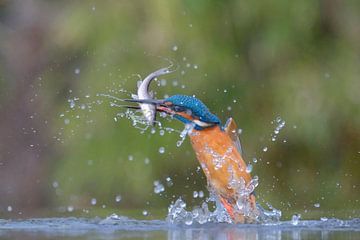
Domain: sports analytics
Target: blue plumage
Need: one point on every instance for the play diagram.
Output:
(197, 108)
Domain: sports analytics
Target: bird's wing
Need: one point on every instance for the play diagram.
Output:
(231, 129)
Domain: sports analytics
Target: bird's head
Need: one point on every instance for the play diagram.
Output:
(189, 109)
(186, 109)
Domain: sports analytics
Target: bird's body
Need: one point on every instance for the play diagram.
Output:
(219, 153)
(223, 165)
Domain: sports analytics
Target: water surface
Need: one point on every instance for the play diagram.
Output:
(126, 228)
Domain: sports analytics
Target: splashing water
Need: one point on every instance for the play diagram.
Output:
(295, 219)
(177, 212)
(187, 130)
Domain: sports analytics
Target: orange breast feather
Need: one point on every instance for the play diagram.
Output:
(221, 162)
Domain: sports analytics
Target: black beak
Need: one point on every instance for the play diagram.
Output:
(146, 101)
(159, 103)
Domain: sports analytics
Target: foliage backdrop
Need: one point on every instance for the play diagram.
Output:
(253, 60)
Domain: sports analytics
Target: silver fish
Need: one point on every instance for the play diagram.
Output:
(149, 110)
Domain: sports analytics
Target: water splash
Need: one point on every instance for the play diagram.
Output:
(295, 219)
(178, 214)
(187, 130)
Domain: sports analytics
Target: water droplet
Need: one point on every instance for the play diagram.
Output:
(55, 184)
(145, 213)
(71, 103)
(158, 187)
(70, 208)
(195, 194)
(175, 48)
(130, 157)
(118, 198)
(93, 201)
(66, 121)
(146, 160)
(317, 205)
(161, 132)
(265, 149)
(249, 168)
(196, 66)
(161, 150)
(201, 194)
(163, 82)
(77, 71)
(169, 182)
(175, 83)
(9, 208)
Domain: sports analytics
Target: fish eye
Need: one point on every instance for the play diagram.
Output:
(178, 109)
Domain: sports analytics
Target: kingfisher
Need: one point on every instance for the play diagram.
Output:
(217, 147)
(218, 150)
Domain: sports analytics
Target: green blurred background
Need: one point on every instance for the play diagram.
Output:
(252, 60)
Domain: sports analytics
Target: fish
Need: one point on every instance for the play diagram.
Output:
(143, 93)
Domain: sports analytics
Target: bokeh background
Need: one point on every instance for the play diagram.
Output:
(62, 152)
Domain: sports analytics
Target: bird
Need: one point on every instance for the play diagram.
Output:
(218, 150)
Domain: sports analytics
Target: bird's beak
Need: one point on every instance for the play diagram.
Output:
(146, 101)
(159, 103)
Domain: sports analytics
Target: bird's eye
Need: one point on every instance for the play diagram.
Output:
(178, 109)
